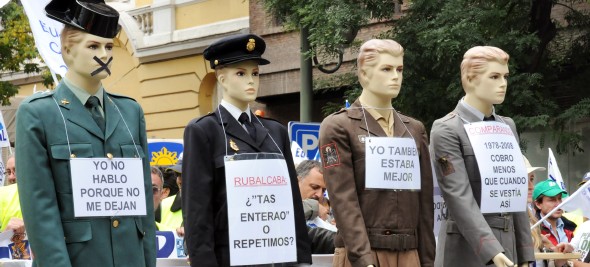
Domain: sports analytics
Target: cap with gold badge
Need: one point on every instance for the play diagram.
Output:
(236, 48)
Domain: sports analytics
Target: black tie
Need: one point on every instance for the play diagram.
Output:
(245, 120)
(490, 118)
(93, 106)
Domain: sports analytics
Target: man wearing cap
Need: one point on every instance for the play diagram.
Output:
(69, 127)
(231, 130)
(548, 195)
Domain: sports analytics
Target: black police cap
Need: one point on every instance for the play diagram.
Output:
(236, 48)
(92, 16)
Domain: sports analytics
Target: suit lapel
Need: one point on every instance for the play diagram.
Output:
(399, 125)
(75, 112)
(233, 128)
(112, 115)
(261, 132)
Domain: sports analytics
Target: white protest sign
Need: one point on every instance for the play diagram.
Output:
(46, 32)
(504, 182)
(260, 212)
(391, 163)
(4, 141)
(553, 171)
(108, 187)
(440, 206)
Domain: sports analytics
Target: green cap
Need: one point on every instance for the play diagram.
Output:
(548, 188)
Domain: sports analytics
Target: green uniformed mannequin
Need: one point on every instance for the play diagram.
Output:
(56, 126)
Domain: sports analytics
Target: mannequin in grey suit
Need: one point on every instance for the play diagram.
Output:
(469, 237)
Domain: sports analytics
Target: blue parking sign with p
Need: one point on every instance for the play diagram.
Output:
(307, 136)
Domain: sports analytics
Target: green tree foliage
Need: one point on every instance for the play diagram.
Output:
(548, 42)
(549, 62)
(17, 47)
(328, 21)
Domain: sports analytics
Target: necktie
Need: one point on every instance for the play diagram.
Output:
(490, 118)
(93, 106)
(245, 120)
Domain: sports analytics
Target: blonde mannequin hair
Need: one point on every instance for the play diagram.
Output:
(69, 37)
(475, 61)
(370, 50)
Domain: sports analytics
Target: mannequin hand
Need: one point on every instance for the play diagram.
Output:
(500, 260)
(524, 264)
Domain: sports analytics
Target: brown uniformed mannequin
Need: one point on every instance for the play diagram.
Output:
(370, 222)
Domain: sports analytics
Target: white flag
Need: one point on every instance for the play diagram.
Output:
(553, 171)
(579, 200)
(4, 142)
(297, 153)
(46, 32)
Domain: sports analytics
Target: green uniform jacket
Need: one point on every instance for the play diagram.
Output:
(57, 238)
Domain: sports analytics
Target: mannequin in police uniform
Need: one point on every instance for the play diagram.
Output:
(204, 201)
(376, 227)
(43, 150)
(471, 238)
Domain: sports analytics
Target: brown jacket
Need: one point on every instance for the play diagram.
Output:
(375, 219)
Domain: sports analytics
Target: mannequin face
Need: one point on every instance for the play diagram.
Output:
(489, 87)
(81, 61)
(384, 79)
(240, 82)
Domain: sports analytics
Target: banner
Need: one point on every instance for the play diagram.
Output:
(46, 32)
(553, 171)
(4, 140)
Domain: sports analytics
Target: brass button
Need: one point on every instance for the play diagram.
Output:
(72, 155)
(115, 223)
(109, 155)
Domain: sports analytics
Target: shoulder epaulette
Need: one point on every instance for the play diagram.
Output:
(270, 119)
(449, 116)
(204, 116)
(39, 95)
(340, 111)
(119, 96)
